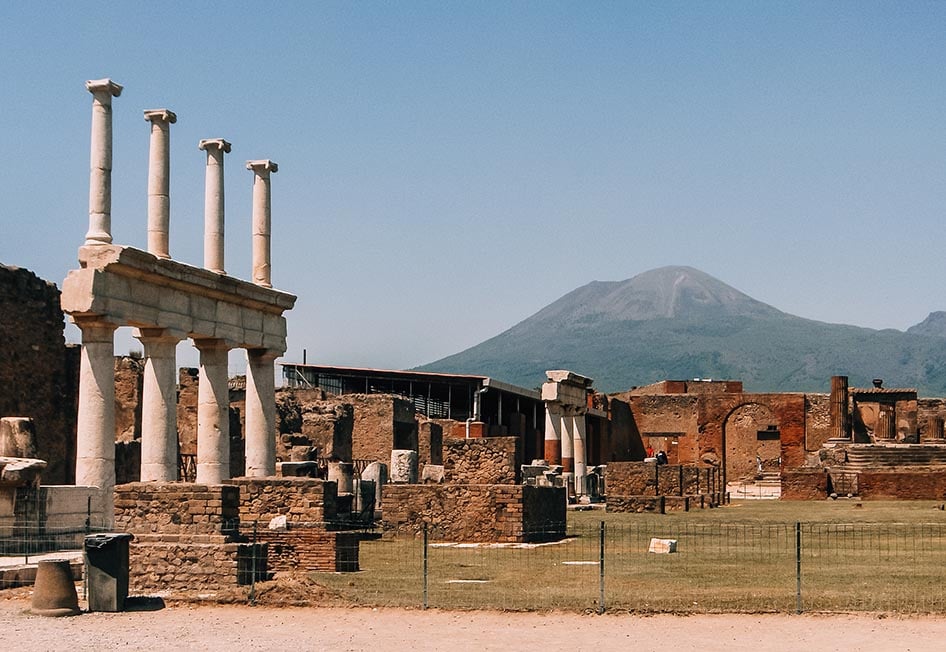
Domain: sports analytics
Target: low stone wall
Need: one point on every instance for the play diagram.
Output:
(651, 487)
(914, 484)
(176, 508)
(476, 513)
(192, 563)
(301, 500)
(804, 484)
(652, 479)
(490, 460)
(308, 546)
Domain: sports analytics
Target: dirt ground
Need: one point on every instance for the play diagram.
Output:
(189, 627)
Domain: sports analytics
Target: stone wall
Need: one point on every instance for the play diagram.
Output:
(651, 479)
(490, 460)
(382, 423)
(176, 508)
(928, 484)
(926, 408)
(804, 484)
(817, 420)
(300, 500)
(38, 372)
(476, 513)
(429, 441)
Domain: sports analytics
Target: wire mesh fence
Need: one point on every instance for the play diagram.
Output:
(715, 567)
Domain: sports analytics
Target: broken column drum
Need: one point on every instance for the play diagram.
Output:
(167, 301)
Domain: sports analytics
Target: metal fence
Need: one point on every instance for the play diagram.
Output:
(732, 567)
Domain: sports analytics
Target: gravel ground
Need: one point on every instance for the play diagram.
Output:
(239, 628)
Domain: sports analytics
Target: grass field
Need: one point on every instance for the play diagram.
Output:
(746, 557)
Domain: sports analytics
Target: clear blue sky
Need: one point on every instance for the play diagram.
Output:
(447, 169)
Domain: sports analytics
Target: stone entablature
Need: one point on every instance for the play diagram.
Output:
(127, 286)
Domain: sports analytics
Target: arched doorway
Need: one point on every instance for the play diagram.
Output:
(751, 440)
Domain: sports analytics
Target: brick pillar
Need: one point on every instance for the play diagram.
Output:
(840, 416)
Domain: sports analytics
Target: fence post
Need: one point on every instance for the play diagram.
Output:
(425, 566)
(253, 568)
(797, 567)
(601, 570)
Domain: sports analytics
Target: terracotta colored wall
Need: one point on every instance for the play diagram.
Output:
(490, 460)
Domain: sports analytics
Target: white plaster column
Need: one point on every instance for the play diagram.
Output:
(159, 172)
(159, 445)
(581, 462)
(95, 427)
(213, 413)
(262, 220)
(553, 436)
(100, 168)
(213, 203)
(260, 413)
(568, 444)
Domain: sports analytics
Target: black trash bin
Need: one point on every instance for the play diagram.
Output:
(106, 563)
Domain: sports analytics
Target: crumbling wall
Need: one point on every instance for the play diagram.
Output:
(490, 460)
(804, 484)
(38, 372)
(301, 500)
(176, 508)
(382, 423)
(429, 442)
(668, 423)
(926, 408)
(817, 420)
(476, 513)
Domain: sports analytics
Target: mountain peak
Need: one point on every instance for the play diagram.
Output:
(673, 292)
(934, 325)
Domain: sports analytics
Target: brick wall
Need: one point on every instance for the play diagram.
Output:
(490, 460)
(902, 485)
(651, 479)
(382, 423)
(476, 513)
(804, 484)
(429, 442)
(176, 508)
(38, 372)
(307, 547)
(817, 420)
(300, 500)
(192, 563)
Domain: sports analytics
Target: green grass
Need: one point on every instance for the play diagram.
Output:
(880, 556)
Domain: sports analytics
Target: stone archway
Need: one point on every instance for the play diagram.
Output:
(750, 435)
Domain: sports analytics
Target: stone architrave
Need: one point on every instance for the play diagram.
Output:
(404, 466)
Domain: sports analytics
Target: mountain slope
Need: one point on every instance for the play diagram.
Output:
(678, 322)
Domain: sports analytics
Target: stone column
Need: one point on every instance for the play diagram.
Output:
(95, 427)
(100, 168)
(840, 416)
(581, 462)
(159, 444)
(934, 429)
(568, 443)
(159, 172)
(886, 423)
(213, 413)
(213, 203)
(260, 414)
(262, 221)
(553, 435)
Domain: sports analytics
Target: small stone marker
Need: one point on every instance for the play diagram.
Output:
(662, 546)
(278, 522)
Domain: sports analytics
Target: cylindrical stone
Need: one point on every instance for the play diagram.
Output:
(100, 166)
(840, 416)
(213, 413)
(260, 414)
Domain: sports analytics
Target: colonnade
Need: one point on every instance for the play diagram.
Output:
(566, 405)
(167, 301)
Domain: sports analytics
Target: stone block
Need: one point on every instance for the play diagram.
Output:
(662, 546)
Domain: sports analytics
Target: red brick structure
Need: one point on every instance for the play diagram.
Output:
(647, 486)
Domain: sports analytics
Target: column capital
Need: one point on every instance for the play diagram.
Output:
(212, 344)
(262, 167)
(103, 86)
(214, 143)
(160, 115)
(264, 355)
(94, 328)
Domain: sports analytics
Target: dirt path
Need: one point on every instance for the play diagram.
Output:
(239, 628)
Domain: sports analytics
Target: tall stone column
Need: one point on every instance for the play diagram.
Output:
(214, 203)
(553, 435)
(95, 427)
(100, 168)
(159, 445)
(159, 172)
(934, 429)
(260, 413)
(568, 443)
(262, 220)
(581, 462)
(840, 416)
(213, 413)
